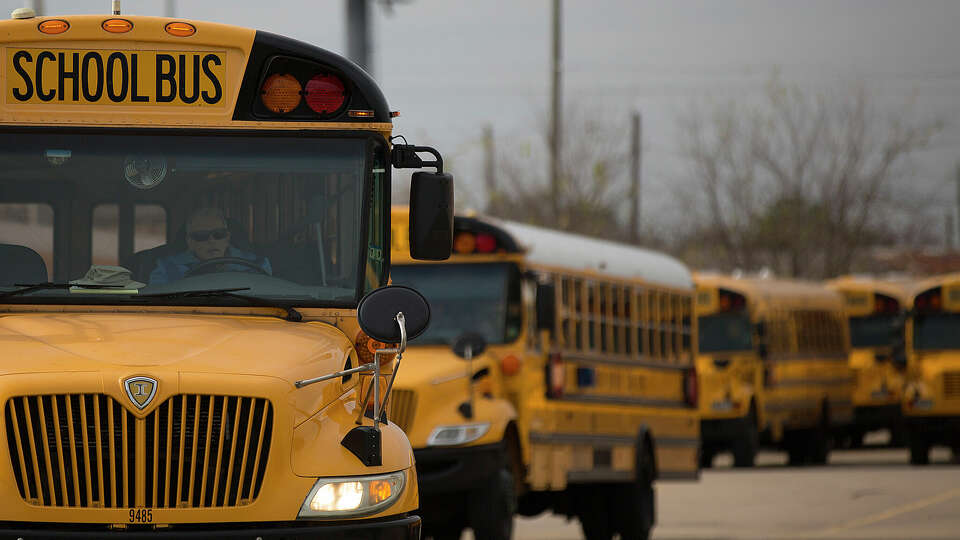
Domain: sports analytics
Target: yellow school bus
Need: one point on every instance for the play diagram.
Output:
(931, 397)
(194, 228)
(584, 393)
(876, 312)
(772, 366)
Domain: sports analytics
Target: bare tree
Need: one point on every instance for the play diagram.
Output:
(593, 178)
(802, 184)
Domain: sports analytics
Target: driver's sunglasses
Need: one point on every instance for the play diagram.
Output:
(205, 236)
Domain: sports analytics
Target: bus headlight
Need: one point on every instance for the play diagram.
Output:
(352, 496)
(454, 435)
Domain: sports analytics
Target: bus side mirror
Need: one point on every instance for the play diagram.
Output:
(468, 345)
(431, 216)
(546, 306)
(762, 351)
(899, 360)
(377, 314)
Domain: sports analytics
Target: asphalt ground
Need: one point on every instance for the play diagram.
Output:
(861, 494)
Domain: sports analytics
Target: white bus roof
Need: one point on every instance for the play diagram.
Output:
(561, 249)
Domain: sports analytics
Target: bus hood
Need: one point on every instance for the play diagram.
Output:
(174, 348)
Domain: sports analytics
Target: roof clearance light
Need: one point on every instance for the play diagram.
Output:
(325, 94)
(54, 26)
(281, 93)
(180, 29)
(486, 243)
(361, 113)
(464, 242)
(117, 26)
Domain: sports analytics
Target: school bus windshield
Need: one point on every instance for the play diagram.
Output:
(267, 215)
(725, 332)
(937, 331)
(872, 331)
(482, 298)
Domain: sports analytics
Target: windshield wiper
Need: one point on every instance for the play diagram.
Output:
(26, 288)
(292, 314)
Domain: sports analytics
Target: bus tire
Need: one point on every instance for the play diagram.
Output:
(746, 446)
(493, 505)
(818, 439)
(795, 445)
(706, 457)
(594, 511)
(919, 450)
(636, 514)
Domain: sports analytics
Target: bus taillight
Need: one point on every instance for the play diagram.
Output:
(691, 387)
(325, 94)
(556, 376)
(929, 301)
(281, 93)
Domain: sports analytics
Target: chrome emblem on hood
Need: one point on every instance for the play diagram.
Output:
(140, 390)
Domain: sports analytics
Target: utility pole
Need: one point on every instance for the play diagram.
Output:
(38, 7)
(556, 106)
(170, 9)
(948, 231)
(489, 176)
(358, 33)
(636, 156)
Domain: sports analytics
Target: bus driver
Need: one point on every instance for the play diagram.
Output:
(208, 238)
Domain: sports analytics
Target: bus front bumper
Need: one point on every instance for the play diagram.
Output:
(869, 418)
(723, 432)
(402, 528)
(455, 469)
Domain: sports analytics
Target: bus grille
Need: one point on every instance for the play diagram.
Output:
(402, 405)
(80, 450)
(951, 385)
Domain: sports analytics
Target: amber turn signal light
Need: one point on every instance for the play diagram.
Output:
(117, 26)
(281, 93)
(180, 29)
(54, 26)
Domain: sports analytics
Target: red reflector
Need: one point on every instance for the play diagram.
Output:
(325, 94)
(486, 243)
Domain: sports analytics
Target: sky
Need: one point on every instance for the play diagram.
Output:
(453, 66)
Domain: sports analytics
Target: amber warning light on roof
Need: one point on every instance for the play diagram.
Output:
(112, 77)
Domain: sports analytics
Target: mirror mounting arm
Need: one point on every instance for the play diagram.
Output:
(404, 156)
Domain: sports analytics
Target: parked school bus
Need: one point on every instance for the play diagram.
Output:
(772, 367)
(876, 313)
(584, 395)
(931, 397)
(210, 375)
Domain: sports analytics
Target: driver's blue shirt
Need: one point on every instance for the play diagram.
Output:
(174, 267)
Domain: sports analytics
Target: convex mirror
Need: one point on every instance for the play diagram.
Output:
(471, 341)
(378, 310)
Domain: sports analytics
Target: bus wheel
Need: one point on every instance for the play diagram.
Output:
(919, 450)
(493, 505)
(706, 457)
(636, 512)
(746, 446)
(593, 511)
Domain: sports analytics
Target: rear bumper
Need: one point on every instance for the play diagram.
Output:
(447, 470)
(403, 528)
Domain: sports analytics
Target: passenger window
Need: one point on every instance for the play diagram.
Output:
(151, 226)
(105, 238)
(149, 222)
(29, 225)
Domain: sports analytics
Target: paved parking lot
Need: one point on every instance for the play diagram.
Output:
(866, 494)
